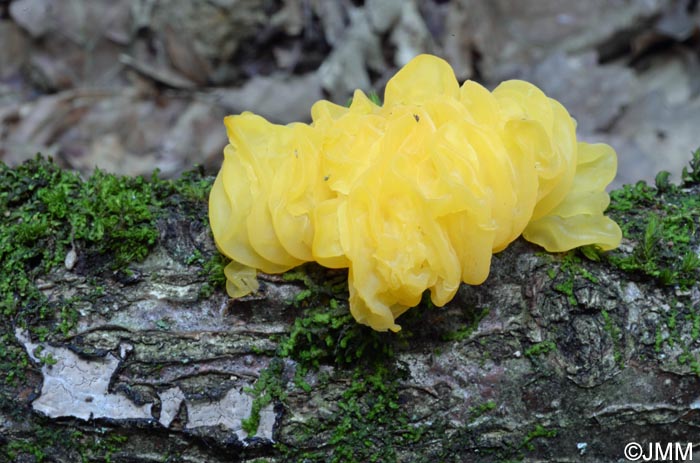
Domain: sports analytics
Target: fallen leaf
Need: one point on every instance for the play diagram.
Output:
(160, 74)
(279, 98)
(594, 94)
(13, 53)
(32, 15)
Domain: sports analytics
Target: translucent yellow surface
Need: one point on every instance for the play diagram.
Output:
(412, 195)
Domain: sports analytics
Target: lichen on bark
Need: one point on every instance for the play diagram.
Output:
(555, 357)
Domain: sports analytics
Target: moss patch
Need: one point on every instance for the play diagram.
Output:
(541, 348)
(368, 421)
(570, 266)
(72, 445)
(662, 224)
(49, 213)
(52, 218)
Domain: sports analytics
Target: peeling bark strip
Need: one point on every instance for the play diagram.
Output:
(555, 358)
(78, 388)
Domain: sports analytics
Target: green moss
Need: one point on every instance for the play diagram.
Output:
(690, 359)
(658, 340)
(47, 214)
(657, 252)
(190, 190)
(567, 288)
(661, 223)
(213, 270)
(369, 424)
(694, 318)
(325, 332)
(42, 439)
(679, 328)
(373, 97)
(570, 267)
(691, 174)
(473, 318)
(672, 324)
(267, 388)
(539, 432)
(368, 421)
(630, 197)
(322, 333)
(541, 348)
(107, 220)
(615, 333)
(479, 410)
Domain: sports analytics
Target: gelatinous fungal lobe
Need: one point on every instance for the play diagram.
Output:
(415, 194)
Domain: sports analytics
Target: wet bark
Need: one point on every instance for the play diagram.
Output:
(553, 358)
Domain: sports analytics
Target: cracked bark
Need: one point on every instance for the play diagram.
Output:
(568, 377)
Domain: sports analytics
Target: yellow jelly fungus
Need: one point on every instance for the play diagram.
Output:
(412, 195)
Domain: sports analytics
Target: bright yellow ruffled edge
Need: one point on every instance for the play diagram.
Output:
(412, 195)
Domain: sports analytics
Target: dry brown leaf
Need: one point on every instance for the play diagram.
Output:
(676, 22)
(410, 36)
(160, 74)
(346, 68)
(13, 52)
(122, 133)
(34, 16)
(593, 94)
(512, 35)
(458, 44)
(185, 44)
(184, 58)
(197, 137)
(37, 126)
(279, 98)
(333, 19)
(52, 74)
(290, 17)
(654, 135)
(383, 14)
(214, 29)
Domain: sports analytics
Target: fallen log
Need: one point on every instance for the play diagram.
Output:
(119, 344)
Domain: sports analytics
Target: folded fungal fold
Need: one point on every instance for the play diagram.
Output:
(413, 195)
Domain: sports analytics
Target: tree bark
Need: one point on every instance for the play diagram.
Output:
(553, 358)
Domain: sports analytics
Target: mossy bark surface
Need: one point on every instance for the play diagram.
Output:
(121, 345)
